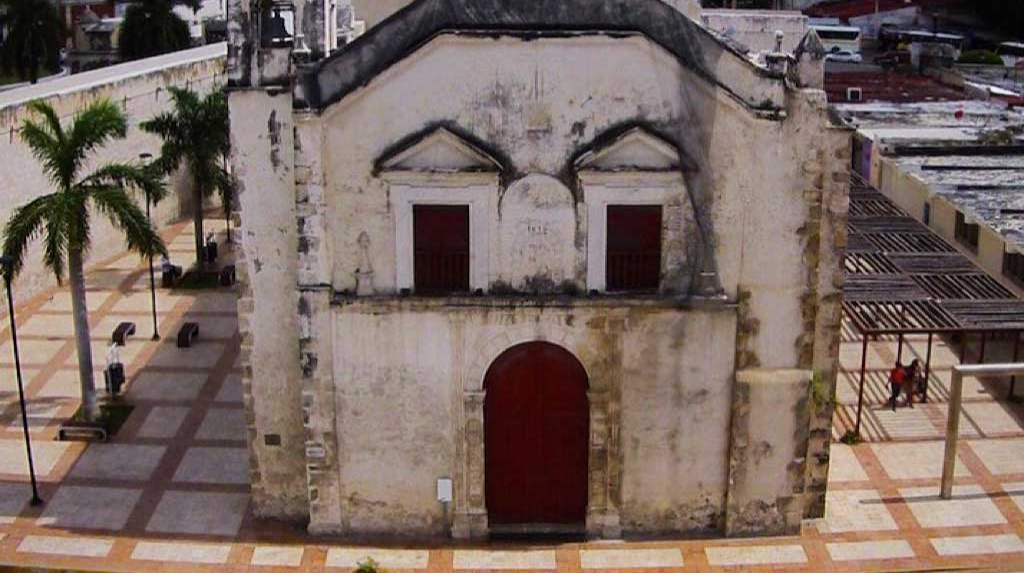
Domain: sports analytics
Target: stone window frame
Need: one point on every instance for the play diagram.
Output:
(635, 188)
(477, 191)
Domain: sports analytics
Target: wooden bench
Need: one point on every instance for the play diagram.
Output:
(227, 276)
(122, 332)
(75, 430)
(188, 333)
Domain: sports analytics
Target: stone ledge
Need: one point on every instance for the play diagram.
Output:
(524, 301)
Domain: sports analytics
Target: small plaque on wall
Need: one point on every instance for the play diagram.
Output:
(444, 490)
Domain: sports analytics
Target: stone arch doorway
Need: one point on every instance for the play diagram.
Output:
(536, 433)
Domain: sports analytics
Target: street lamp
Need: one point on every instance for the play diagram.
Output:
(5, 263)
(144, 158)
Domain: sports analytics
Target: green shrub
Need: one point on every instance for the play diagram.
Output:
(851, 438)
(980, 57)
(368, 565)
(113, 415)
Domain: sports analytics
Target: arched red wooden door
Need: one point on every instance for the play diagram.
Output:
(536, 424)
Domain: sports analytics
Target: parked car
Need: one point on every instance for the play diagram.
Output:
(844, 56)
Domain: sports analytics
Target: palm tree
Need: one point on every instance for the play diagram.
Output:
(151, 28)
(35, 34)
(196, 133)
(62, 218)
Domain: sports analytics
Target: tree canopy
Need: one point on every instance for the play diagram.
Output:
(35, 35)
(196, 134)
(151, 28)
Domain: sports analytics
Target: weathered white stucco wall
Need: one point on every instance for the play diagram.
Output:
(263, 156)
(676, 399)
(400, 385)
(141, 90)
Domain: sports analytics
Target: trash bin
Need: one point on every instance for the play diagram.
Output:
(114, 378)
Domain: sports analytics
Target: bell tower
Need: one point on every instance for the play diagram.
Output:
(268, 38)
(268, 41)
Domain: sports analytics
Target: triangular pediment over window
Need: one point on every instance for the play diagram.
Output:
(633, 150)
(438, 151)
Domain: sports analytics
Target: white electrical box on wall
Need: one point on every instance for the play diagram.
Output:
(444, 490)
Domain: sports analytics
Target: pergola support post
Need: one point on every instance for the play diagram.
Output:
(860, 393)
(1016, 358)
(956, 390)
(899, 345)
(927, 370)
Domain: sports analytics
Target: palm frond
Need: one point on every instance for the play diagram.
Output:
(176, 139)
(57, 239)
(94, 126)
(163, 124)
(184, 99)
(124, 214)
(25, 224)
(226, 186)
(145, 179)
(52, 120)
(46, 148)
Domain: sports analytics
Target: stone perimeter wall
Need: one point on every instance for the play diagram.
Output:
(140, 88)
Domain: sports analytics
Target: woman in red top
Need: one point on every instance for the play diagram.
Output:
(896, 378)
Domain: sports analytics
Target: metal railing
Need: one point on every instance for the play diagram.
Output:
(439, 273)
(633, 271)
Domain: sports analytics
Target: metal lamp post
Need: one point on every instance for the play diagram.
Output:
(5, 263)
(144, 158)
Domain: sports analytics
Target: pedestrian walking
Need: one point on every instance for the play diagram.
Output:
(912, 381)
(897, 376)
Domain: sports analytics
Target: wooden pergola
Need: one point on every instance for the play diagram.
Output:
(903, 279)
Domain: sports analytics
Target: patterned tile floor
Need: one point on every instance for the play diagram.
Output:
(170, 492)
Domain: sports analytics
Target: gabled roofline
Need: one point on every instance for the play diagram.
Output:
(610, 138)
(399, 149)
(355, 65)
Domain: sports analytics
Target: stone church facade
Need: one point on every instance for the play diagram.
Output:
(578, 263)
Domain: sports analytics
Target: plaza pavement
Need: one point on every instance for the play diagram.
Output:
(169, 493)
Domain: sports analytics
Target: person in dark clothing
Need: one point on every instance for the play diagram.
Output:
(912, 381)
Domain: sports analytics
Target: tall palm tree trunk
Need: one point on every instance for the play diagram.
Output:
(197, 220)
(76, 278)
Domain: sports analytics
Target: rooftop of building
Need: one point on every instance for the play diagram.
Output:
(891, 86)
(853, 8)
(968, 152)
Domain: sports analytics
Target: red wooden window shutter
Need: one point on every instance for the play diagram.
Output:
(634, 248)
(441, 248)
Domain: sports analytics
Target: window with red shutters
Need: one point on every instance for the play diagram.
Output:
(441, 248)
(634, 248)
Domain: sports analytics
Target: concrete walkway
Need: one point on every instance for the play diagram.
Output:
(170, 492)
